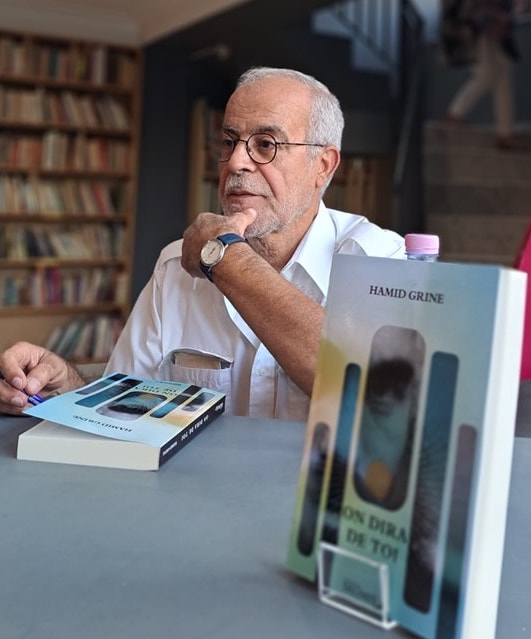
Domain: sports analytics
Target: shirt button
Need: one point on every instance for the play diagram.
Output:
(262, 371)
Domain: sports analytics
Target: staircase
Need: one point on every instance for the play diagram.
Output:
(476, 197)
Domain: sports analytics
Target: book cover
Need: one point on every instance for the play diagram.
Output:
(408, 450)
(119, 421)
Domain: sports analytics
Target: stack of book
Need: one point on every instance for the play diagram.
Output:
(119, 421)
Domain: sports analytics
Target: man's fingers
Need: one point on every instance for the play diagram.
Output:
(242, 219)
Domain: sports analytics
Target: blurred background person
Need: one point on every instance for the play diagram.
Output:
(495, 53)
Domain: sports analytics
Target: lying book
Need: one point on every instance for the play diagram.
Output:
(119, 421)
(407, 458)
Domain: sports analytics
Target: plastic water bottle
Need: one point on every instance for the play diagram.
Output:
(422, 247)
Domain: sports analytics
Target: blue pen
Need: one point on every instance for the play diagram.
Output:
(35, 400)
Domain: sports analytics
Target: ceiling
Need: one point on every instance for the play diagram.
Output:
(133, 22)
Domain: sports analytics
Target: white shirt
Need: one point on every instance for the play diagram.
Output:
(180, 320)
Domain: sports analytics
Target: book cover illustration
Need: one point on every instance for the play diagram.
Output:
(133, 409)
(408, 449)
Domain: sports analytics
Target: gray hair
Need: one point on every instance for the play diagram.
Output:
(326, 121)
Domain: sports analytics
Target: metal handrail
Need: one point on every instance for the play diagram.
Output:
(406, 127)
(412, 33)
(345, 12)
(404, 66)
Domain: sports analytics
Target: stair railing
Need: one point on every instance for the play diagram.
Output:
(407, 176)
(391, 34)
(371, 24)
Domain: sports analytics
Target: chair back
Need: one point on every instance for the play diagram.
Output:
(523, 263)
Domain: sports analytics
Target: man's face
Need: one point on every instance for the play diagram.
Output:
(285, 190)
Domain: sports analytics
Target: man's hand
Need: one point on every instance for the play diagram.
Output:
(28, 369)
(284, 318)
(206, 227)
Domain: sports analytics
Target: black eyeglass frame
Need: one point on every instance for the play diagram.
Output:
(267, 135)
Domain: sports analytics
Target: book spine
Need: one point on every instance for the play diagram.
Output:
(187, 434)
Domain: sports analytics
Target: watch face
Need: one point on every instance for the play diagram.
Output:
(212, 252)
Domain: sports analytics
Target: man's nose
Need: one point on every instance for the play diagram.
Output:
(240, 157)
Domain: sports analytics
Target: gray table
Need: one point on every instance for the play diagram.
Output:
(194, 550)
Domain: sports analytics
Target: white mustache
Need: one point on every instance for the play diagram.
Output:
(239, 183)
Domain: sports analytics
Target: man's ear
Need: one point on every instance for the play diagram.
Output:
(329, 161)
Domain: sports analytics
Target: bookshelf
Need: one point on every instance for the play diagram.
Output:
(360, 185)
(363, 185)
(69, 134)
(205, 126)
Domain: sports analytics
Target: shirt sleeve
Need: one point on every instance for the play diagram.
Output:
(137, 351)
(370, 239)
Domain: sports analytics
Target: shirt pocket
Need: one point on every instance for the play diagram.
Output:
(216, 379)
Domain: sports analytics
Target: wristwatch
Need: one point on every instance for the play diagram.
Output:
(213, 251)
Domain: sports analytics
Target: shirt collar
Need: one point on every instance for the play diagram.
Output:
(315, 251)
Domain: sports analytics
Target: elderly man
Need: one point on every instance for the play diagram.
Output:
(237, 304)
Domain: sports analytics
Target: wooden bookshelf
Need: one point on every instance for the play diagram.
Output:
(205, 128)
(361, 185)
(69, 135)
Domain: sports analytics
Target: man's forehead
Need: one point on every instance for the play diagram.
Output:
(265, 106)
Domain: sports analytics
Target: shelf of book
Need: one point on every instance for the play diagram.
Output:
(362, 185)
(205, 127)
(69, 134)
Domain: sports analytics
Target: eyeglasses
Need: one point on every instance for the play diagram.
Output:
(261, 147)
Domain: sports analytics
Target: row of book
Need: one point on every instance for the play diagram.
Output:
(54, 286)
(66, 62)
(87, 338)
(61, 196)
(85, 242)
(354, 187)
(50, 107)
(213, 126)
(57, 150)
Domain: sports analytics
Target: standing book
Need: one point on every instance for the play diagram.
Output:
(407, 458)
(119, 421)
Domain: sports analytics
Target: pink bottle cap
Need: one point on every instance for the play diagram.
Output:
(422, 243)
